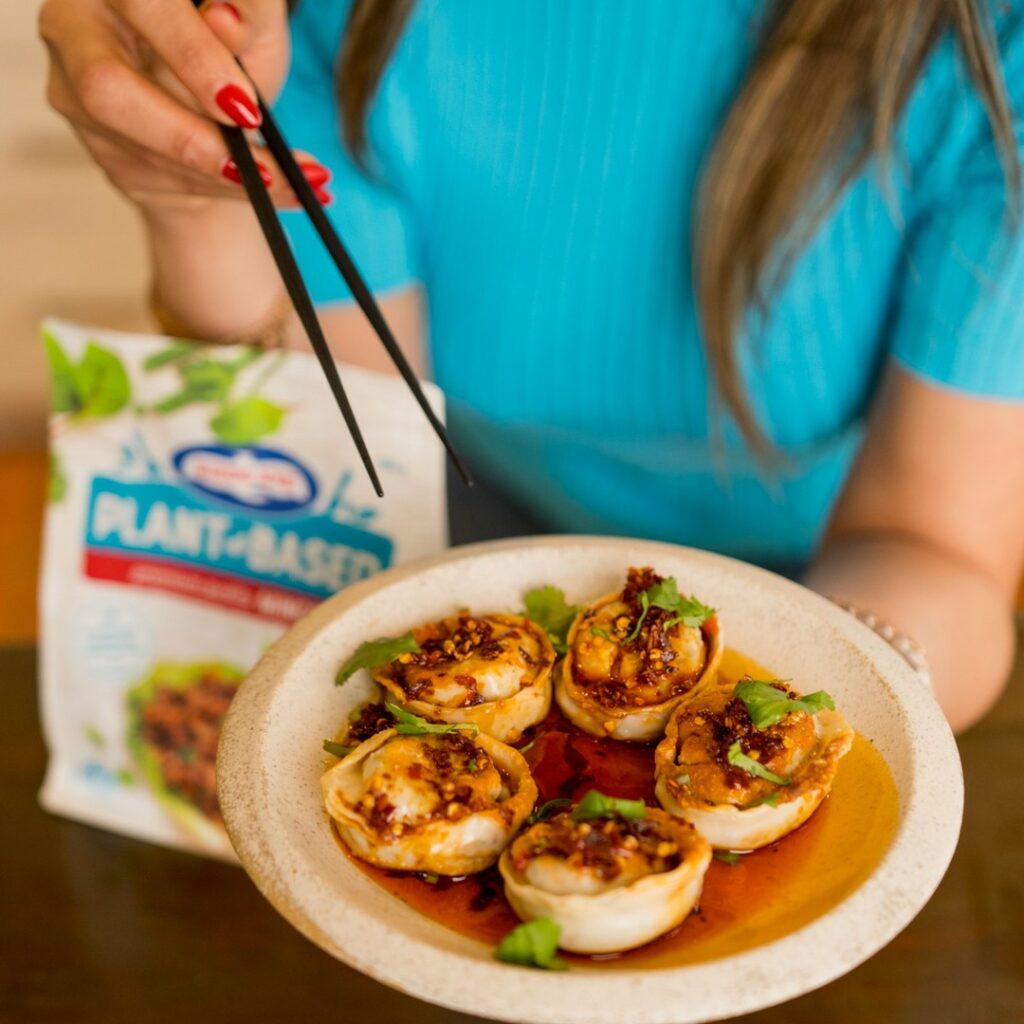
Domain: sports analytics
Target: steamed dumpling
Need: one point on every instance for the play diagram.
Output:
(493, 671)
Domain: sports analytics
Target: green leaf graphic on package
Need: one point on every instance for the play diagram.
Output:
(202, 379)
(94, 387)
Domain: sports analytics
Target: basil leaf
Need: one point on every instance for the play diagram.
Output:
(63, 390)
(101, 383)
(247, 421)
(374, 653)
(546, 810)
(338, 749)
(174, 352)
(767, 705)
(408, 724)
(752, 767)
(548, 607)
(597, 805)
(57, 485)
(532, 944)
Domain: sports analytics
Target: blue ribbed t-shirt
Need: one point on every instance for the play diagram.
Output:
(536, 165)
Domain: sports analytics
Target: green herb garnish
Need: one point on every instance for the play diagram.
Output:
(687, 610)
(408, 724)
(645, 607)
(665, 595)
(752, 767)
(548, 607)
(374, 653)
(768, 705)
(598, 631)
(546, 810)
(597, 805)
(338, 749)
(729, 857)
(771, 799)
(532, 944)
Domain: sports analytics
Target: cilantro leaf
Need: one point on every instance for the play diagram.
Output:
(598, 631)
(247, 420)
(532, 944)
(374, 653)
(546, 810)
(687, 610)
(548, 608)
(767, 705)
(408, 724)
(730, 857)
(338, 749)
(645, 607)
(752, 767)
(597, 805)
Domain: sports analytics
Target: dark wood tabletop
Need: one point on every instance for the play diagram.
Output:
(99, 928)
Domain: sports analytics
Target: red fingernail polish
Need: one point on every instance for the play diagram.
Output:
(323, 197)
(230, 8)
(316, 174)
(234, 102)
(231, 172)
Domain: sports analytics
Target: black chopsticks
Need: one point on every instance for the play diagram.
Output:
(292, 278)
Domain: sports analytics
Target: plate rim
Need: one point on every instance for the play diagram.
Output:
(269, 865)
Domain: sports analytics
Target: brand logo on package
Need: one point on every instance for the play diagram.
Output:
(258, 478)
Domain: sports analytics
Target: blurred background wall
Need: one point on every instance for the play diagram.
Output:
(70, 247)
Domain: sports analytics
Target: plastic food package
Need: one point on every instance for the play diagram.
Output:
(201, 499)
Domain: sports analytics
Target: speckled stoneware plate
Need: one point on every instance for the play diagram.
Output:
(270, 764)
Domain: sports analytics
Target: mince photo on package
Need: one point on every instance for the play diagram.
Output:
(201, 499)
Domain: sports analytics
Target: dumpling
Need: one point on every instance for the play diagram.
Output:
(444, 803)
(633, 655)
(743, 786)
(493, 671)
(610, 883)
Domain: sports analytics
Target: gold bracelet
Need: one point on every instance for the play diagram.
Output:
(270, 334)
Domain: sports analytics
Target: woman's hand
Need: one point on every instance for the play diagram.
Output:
(142, 82)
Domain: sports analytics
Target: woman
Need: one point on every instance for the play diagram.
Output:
(605, 215)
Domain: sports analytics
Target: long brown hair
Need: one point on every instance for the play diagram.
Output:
(822, 96)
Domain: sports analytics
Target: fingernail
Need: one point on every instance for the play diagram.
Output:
(237, 105)
(231, 172)
(316, 174)
(324, 198)
(224, 5)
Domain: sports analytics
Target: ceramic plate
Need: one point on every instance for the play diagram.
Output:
(270, 764)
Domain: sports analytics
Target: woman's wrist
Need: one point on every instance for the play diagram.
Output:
(906, 646)
(213, 276)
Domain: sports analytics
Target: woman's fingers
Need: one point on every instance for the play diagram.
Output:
(179, 35)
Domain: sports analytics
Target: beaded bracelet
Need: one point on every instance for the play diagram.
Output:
(910, 650)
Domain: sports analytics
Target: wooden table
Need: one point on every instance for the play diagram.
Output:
(99, 928)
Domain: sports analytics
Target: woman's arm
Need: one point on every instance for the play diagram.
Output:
(929, 533)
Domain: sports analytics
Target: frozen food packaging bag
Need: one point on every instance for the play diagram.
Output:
(201, 498)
